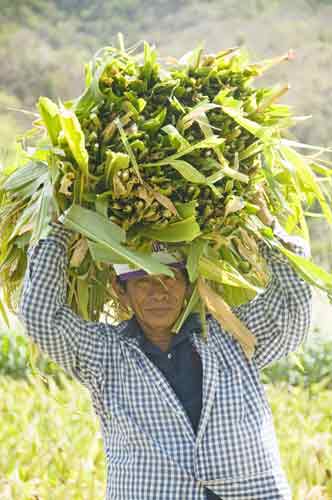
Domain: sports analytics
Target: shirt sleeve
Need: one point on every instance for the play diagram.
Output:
(76, 345)
(279, 317)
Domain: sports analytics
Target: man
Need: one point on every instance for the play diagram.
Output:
(181, 419)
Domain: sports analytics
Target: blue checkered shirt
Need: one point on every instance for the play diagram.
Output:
(152, 451)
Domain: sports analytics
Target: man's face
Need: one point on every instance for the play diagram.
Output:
(157, 301)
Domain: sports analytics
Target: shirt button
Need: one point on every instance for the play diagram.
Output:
(169, 355)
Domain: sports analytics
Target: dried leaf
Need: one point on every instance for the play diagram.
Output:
(79, 253)
(163, 200)
(145, 195)
(66, 182)
(227, 319)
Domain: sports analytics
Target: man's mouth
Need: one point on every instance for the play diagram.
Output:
(158, 308)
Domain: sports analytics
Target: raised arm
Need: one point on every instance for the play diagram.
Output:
(75, 344)
(280, 317)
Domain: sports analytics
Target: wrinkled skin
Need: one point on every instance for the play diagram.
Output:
(157, 302)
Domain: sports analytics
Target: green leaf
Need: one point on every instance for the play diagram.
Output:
(150, 63)
(101, 253)
(309, 271)
(208, 143)
(49, 112)
(301, 145)
(92, 95)
(193, 301)
(197, 249)
(43, 217)
(192, 59)
(308, 178)
(196, 112)
(185, 230)
(206, 126)
(236, 296)
(263, 133)
(104, 232)
(126, 144)
(154, 124)
(30, 189)
(225, 170)
(88, 74)
(75, 138)
(101, 205)
(23, 175)
(254, 148)
(176, 104)
(188, 171)
(95, 222)
(321, 169)
(220, 97)
(28, 214)
(268, 168)
(217, 176)
(176, 139)
(233, 204)
(224, 273)
(3, 313)
(187, 209)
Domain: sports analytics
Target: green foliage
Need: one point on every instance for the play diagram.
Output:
(9, 127)
(51, 442)
(14, 354)
(309, 367)
(302, 419)
(16, 360)
(52, 446)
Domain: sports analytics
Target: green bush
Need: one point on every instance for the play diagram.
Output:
(14, 354)
(16, 357)
(52, 447)
(310, 366)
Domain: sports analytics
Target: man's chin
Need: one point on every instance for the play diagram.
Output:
(161, 318)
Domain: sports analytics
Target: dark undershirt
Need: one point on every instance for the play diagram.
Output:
(181, 366)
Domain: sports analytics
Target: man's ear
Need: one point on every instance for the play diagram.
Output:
(121, 292)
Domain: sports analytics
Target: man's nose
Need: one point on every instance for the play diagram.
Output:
(159, 287)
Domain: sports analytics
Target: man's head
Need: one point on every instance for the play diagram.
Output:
(156, 301)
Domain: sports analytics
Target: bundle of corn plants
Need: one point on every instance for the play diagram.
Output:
(164, 150)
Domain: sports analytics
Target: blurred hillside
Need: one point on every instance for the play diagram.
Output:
(43, 45)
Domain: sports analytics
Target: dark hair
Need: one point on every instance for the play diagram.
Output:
(122, 283)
